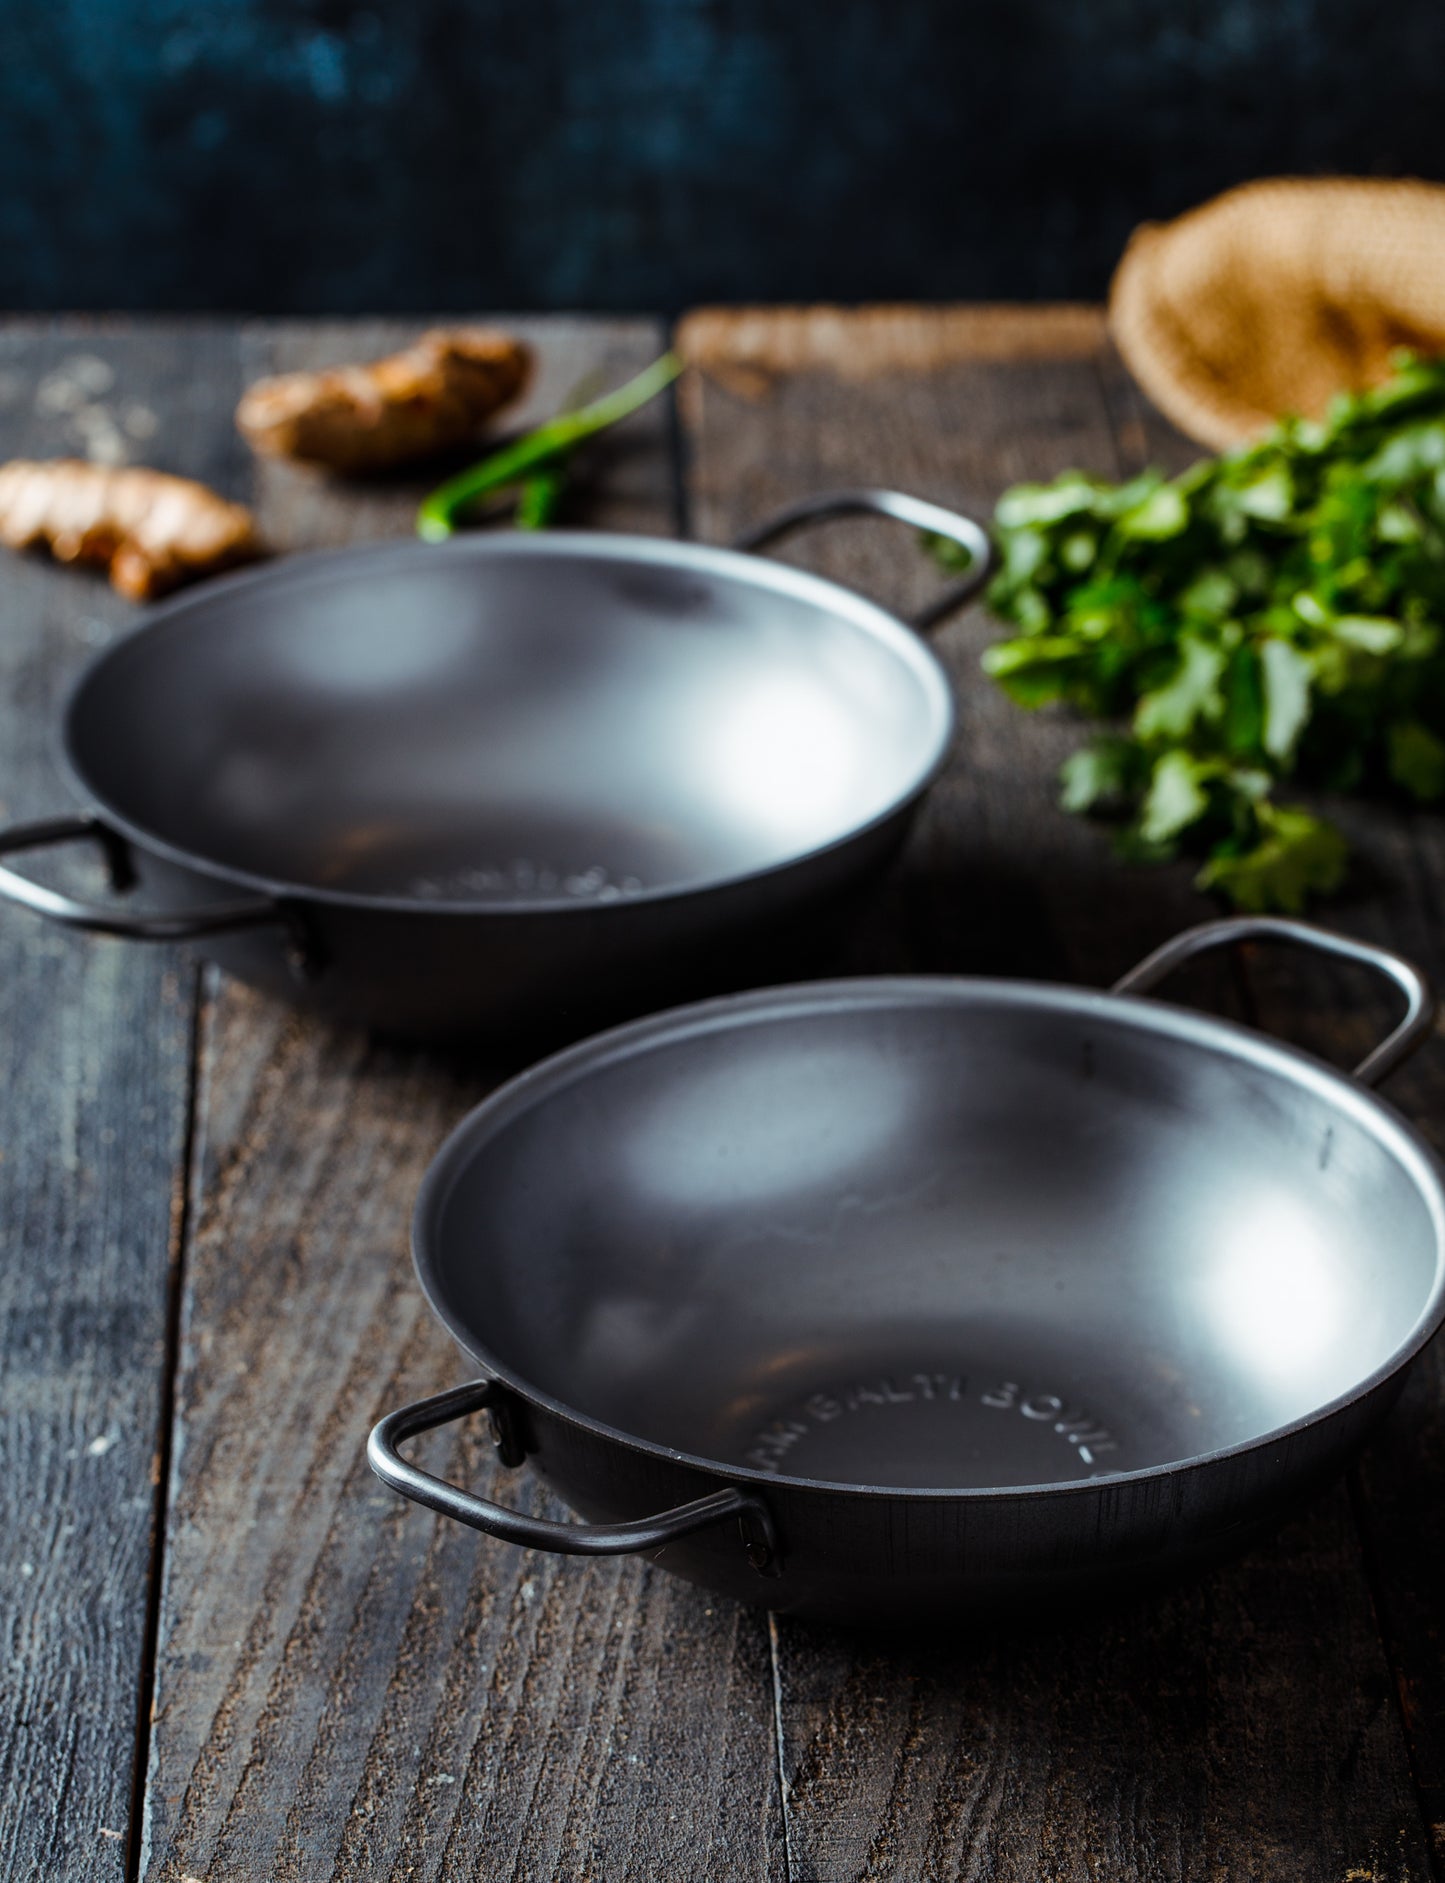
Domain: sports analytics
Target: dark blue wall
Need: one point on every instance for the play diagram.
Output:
(416, 154)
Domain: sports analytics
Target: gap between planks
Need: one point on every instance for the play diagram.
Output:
(170, 1373)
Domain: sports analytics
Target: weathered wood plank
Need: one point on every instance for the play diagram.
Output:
(1240, 1726)
(91, 1136)
(345, 1687)
(746, 348)
(1396, 899)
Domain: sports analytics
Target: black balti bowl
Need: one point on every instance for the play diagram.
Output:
(898, 1299)
(508, 782)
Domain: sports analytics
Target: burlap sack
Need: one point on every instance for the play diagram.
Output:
(1274, 296)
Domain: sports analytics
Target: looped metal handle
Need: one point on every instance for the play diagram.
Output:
(916, 512)
(538, 1533)
(184, 925)
(1396, 1047)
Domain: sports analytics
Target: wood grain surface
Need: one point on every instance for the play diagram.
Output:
(92, 1134)
(205, 1203)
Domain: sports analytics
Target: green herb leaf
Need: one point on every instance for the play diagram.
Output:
(1417, 760)
(1176, 798)
(1032, 671)
(1028, 504)
(1286, 674)
(1103, 773)
(1211, 596)
(1160, 515)
(1297, 856)
(1194, 692)
(1269, 496)
(1371, 636)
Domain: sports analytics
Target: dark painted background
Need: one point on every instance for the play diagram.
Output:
(300, 155)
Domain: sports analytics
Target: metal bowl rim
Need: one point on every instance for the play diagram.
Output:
(317, 566)
(722, 1014)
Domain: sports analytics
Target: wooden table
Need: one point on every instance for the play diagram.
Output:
(232, 1655)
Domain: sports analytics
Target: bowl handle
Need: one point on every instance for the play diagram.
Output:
(183, 925)
(1396, 1047)
(563, 1539)
(920, 515)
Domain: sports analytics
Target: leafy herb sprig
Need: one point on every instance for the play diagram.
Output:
(1271, 617)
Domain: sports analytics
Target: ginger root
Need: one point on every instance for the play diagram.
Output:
(150, 530)
(410, 405)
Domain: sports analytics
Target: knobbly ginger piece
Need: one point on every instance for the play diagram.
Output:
(150, 530)
(435, 395)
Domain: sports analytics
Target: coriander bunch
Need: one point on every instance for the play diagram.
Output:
(1272, 616)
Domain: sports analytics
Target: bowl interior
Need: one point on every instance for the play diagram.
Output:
(939, 1234)
(507, 720)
